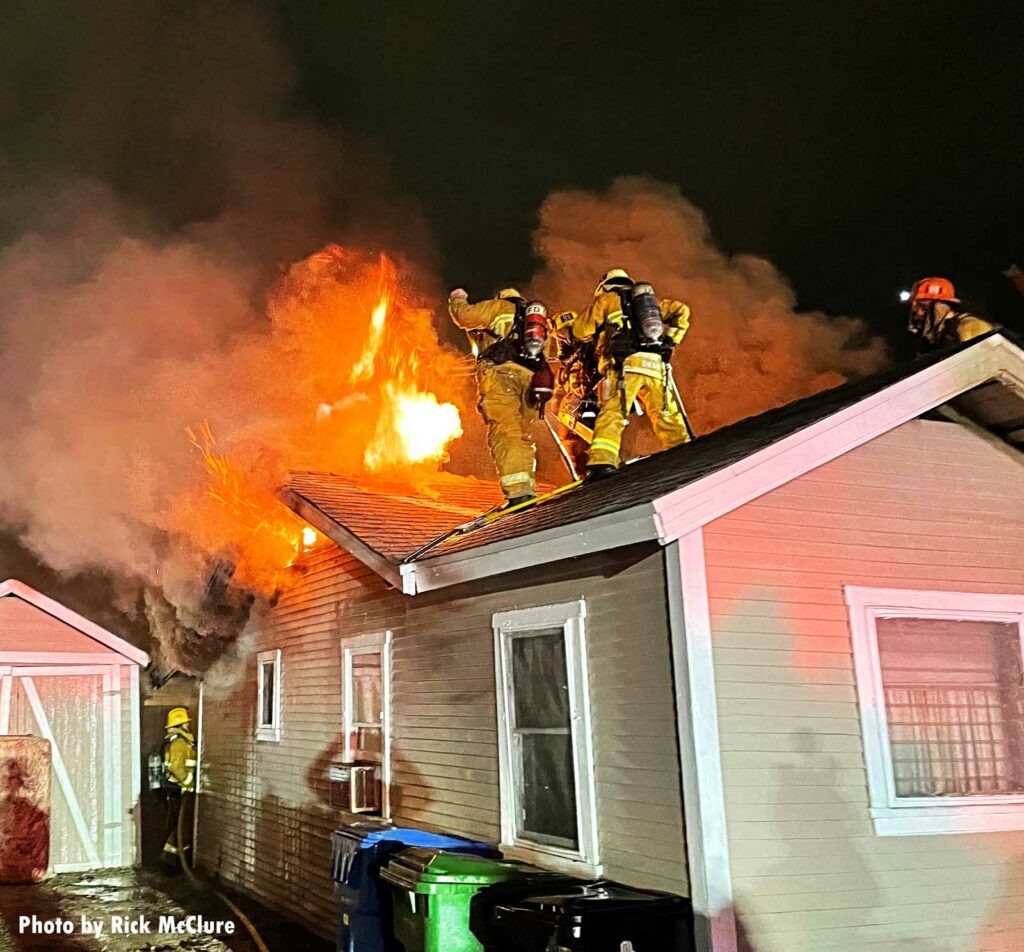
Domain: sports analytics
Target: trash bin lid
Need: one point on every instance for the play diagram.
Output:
(422, 870)
(601, 897)
(411, 837)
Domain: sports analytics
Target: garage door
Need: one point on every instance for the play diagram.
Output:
(72, 708)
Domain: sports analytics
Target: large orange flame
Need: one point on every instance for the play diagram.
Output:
(354, 380)
(267, 534)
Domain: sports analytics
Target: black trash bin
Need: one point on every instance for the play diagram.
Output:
(357, 854)
(597, 916)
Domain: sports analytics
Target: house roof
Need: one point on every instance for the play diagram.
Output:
(396, 526)
(384, 522)
(12, 588)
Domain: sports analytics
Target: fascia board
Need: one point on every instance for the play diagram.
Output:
(337, 533)
(551, 545)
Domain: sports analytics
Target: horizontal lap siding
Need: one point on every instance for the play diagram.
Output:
(927, 506)
(264, 820)
(444, 677)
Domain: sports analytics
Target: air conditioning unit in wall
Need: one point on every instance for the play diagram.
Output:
(355, 788)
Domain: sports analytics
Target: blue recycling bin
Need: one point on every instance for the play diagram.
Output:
(357, 854)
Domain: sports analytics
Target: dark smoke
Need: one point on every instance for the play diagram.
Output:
(157, 177)
(159, 182)
(749, 348)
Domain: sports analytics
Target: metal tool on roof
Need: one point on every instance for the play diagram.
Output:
(492, 515)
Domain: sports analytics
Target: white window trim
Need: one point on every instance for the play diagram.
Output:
(268, 732)
(570, 616)
(908, 816)
(364, 644)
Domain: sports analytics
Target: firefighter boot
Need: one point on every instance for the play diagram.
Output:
(599, 471)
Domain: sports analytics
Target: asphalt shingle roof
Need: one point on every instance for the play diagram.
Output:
(398, 524)
(395, 519)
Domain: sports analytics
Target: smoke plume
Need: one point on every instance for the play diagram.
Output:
(749, 349)
(157, 182)
(179, 305)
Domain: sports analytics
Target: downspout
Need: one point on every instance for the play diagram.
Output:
(198, 775)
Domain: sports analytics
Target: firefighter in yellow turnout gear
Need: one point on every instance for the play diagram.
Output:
(935, 315)
(514, 380)
(179, 768)
(635, 335)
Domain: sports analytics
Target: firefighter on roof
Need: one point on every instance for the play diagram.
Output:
(577, 380)
(179, 766)
(635, 334)
(936, 318)
(508, 336)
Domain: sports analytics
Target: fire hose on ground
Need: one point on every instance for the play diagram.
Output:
(200, 884)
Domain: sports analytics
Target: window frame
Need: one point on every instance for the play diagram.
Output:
(908, 816)
(271, 732)
(570, 617)
(373, 643)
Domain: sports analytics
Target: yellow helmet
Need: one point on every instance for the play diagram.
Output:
(508, 294)
(616, 278)
(176, 716)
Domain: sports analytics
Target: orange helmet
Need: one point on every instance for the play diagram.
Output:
(934, 289)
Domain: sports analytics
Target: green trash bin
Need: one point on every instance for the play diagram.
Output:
(431, 893)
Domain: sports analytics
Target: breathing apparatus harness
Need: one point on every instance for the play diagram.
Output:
(933, 333)
(642, 331)
(160, 776)
(524, 345)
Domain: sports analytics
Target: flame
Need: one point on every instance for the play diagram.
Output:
(363, 369)
(267, 533)
(415, 427)
(364, 392)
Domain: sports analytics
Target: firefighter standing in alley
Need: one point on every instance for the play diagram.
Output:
(508, 336)
(179, 765)
(937, 319)
(635, 334)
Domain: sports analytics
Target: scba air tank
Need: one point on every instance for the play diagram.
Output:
(535, 329)
(646, 313)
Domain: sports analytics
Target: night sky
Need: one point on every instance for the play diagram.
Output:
(856, 145)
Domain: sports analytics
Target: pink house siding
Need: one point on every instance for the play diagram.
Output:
(25, 628)
(930, 505)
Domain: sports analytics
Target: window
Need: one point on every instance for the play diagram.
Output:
(547, 783)
(940, 681)
(268, 695)
(366, 673)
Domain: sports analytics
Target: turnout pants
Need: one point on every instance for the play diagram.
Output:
(504, 392)
(646, 380)
(177, 801)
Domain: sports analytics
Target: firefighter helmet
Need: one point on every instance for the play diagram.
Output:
(177, 716)
(615, 278)
(508, 294)
(934, 289)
